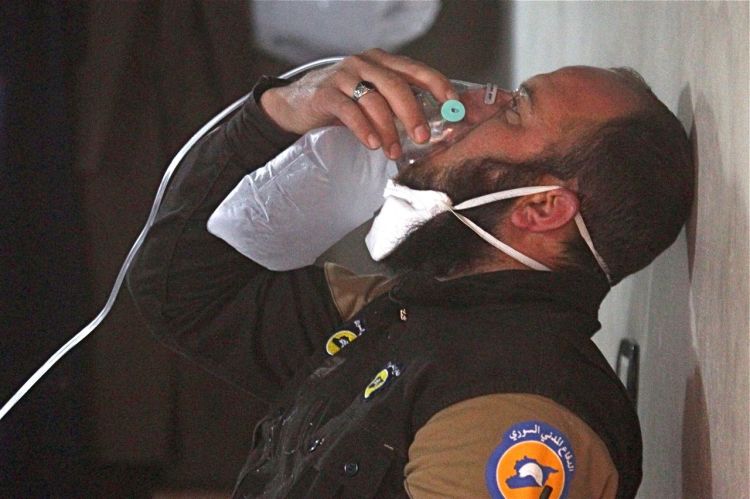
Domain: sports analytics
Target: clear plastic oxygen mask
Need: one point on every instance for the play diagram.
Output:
(448, 121)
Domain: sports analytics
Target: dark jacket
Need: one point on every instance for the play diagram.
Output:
(341, 425)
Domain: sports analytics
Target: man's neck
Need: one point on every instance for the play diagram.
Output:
(502, 262)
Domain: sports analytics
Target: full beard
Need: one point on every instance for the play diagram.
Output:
(443, 246)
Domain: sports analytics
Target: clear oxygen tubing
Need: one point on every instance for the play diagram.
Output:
(88, 329)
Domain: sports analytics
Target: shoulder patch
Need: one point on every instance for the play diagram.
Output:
(533, 460)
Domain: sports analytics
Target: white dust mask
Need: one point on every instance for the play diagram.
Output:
(405, 209)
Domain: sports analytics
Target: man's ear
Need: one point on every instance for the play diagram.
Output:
(545, 211)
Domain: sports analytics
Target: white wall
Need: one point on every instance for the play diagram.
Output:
(689, 310)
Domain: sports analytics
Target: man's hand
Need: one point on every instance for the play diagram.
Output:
(323, 97)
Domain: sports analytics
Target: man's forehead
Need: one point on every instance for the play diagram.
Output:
(578, 73)
(582, 92)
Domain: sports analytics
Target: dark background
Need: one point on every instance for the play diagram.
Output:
(95, 99)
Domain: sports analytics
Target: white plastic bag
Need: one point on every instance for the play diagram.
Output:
(287, 213)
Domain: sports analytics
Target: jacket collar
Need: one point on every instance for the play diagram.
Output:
(581, 291)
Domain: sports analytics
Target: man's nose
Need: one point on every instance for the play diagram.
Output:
(503, 97)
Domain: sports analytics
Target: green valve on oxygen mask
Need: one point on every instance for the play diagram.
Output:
(452, 111)
(448, 122)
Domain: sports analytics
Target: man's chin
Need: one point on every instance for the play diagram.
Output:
(443, 246)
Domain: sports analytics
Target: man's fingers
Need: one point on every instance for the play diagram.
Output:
(416, 73)
(379, 114)
(392, 76)
(324, 97)
(350, 114)
(396, 92)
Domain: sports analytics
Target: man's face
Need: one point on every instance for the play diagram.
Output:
(543, 117)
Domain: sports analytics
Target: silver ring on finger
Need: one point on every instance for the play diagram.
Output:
(363, 88)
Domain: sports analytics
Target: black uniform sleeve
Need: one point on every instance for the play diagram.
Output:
(246, 324)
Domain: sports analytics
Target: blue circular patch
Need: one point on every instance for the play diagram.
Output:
(533, 459)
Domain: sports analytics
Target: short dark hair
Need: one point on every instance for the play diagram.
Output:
(635, 182)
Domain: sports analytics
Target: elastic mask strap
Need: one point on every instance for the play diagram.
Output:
(590, 243)
(499, 196)
(520, 257)
(513, 253)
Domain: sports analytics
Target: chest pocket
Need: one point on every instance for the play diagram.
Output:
(360, 465)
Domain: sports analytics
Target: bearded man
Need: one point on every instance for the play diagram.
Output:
(472, 372)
